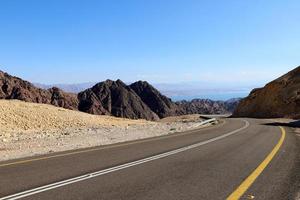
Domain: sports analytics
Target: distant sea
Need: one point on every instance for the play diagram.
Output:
(222, 97)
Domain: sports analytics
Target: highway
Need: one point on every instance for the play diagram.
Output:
(236, 159)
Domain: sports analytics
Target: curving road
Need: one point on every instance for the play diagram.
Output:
(240, 158)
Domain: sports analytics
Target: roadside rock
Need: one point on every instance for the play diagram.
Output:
(278, 99)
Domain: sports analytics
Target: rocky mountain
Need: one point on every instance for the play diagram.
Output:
(15, 88)
(279, 98)
(142, 100)
(116, 98)
(158, 103)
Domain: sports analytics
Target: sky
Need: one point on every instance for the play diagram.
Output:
(221, 43)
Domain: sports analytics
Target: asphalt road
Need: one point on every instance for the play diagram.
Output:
(220, 159)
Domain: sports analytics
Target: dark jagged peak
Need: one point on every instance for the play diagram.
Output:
(108, 84)
(120, 82)
(115, 98)
(157, 102)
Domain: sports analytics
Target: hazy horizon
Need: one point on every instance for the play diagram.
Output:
(177, 92)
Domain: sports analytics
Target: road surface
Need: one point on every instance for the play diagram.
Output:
(238, 158)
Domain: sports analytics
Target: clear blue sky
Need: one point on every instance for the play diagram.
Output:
(162, 41)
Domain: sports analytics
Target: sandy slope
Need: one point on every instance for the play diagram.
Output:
(28, 129)
(21, 116)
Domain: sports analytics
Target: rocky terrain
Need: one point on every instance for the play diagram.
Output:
(278, 99)
(28, 129)
(15, 88)
(142, 100)
(139, 100)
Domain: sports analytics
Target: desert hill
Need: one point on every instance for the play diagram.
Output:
(279, 98)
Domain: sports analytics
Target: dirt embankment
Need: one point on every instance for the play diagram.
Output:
(19, 116)
(28, 129)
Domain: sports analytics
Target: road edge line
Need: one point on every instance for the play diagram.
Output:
(246, 184)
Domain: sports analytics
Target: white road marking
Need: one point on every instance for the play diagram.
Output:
(117, 168)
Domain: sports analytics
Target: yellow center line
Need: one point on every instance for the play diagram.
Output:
(107, 147)
(254, 175)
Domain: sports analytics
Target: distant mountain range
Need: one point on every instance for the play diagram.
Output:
(135, 101)
(208, 106)
(71, 88)
(176, 91)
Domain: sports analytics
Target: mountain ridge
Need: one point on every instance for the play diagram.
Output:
(137, 100)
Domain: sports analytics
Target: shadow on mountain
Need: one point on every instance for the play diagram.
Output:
(295, 124)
